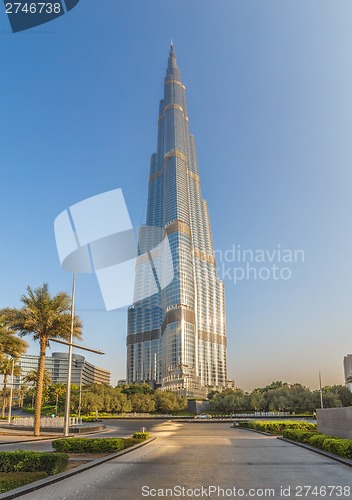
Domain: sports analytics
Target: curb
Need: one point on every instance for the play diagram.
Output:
(254, 430)
(51, 438)
(32, 440)
(344, 461)
(31, 487)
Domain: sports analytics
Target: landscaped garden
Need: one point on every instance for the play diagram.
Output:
(18, 468)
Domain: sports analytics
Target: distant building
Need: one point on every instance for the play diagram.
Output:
(347, 364)
(82, 372)
(122, 381)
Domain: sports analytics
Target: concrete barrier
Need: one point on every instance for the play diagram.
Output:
(335, 422)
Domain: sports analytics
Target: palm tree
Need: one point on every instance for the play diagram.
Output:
(32, 377)
(21, 393)
(12, 348)
(5, 371)
(44, 317)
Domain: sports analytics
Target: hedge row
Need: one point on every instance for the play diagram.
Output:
(32, 461)
(338, 446)
(300, 436)
(98, 445)
(141, 435)
(11, 480)
(84, 445)
(277, 427)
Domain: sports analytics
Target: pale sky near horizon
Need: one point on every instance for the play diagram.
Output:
(270, 104)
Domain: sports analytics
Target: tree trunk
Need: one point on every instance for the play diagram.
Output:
(4, 396)
(40, 380)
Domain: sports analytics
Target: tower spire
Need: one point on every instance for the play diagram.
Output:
(172, 63)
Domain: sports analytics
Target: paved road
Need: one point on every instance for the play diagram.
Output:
(207, 455)
(115, 428)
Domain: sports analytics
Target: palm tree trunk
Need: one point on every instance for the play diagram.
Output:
(39, 395)
(4, 396)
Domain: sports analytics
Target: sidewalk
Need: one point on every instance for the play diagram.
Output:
(51, 480)
(13, 436)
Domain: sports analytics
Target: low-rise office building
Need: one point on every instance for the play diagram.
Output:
(56, 365)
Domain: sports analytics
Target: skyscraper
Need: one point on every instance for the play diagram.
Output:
(177, 336)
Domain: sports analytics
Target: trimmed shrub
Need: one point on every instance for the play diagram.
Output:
(277, 427)
(243, 424)
(11, 480)
(87, 445)
(337, 446)
(32, 461)
(141, 435)
(317, 440)
(298, 435)
(341, 447)
(132, 441)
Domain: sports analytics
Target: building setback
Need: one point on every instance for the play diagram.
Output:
(57, 365)
(176, 338)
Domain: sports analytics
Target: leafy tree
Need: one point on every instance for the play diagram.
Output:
(274, 385)
(300, 399)
(11, 348)
(91, 402)
(120, 403)
(57, 394)
(343, 393)
(44, 317)
(212, 394)
(257, 400)
(167, 401)
(142, 403)
(230, 400)
(276, 400)
(137, 389)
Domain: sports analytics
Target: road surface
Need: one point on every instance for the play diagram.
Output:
(207, 460)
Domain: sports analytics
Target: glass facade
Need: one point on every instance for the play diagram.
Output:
(176, 338)
(57, 367)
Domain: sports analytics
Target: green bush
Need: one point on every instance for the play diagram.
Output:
(298, 435)
(11, 480)
(32, 461)
(277, 427)
(337, 446)
(141, 435)
(243, 424)
(132, 441)
(88, 445)
(341, 447)
(317, 440)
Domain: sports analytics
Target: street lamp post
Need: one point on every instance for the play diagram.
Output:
(80, 393)
(11, 391)
(321, 392)
(69, 361)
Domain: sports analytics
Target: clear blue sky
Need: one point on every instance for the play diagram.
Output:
(270, 103)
